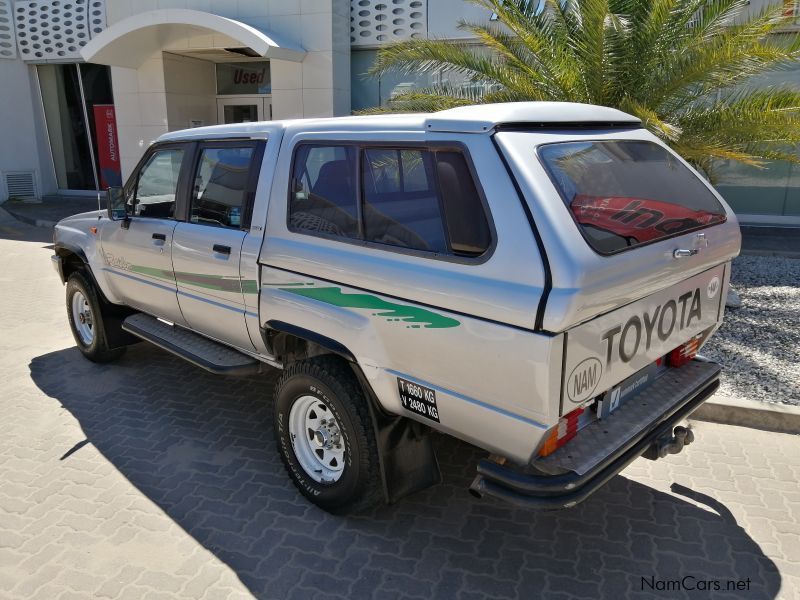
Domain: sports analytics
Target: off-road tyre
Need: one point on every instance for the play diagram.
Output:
(331, 380)
(97, 350)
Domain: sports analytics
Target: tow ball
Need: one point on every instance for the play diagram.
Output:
(670, 443)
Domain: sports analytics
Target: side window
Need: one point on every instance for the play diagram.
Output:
(323, 191)
(422, 199)
(467, 226)
(401, 201)
(219, 193)
(157, 184)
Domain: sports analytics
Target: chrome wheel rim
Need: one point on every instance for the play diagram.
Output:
(317, 439)
(82, 317)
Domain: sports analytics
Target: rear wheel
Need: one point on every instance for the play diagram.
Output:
(325, 435)
(85, 314)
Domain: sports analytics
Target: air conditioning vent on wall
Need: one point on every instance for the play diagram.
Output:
(21, 184)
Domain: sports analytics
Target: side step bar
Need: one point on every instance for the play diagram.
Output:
(198, 350)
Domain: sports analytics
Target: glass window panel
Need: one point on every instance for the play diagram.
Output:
(100, 111)
(157, 185)
(323, 197)
(220, 187)
(467, 225)
(626, 193)
(66, 126)
(243, 78)
(397, 212)
(774, 188)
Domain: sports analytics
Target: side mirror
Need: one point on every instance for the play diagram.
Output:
(116, 204)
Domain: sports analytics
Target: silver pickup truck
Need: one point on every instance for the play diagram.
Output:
(533, 278)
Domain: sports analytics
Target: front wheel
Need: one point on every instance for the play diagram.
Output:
(325, 436)
(86, 320)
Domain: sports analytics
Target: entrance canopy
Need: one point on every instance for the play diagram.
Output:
(130, 42)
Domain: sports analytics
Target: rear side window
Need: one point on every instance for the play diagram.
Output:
(323, 197)
(421, 199)
(624, 194)
(401, 200)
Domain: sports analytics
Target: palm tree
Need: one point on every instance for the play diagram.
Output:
(681, 66)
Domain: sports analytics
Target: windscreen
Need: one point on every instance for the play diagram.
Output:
(625, 193)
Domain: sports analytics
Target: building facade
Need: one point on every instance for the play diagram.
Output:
(86, 85)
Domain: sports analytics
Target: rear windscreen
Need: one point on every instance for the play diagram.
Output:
(627, 193)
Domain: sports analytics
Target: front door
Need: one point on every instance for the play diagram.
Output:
(207, 248)
(138, 252)
(244, 109)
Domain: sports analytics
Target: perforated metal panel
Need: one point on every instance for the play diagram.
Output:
(374, 22)
(8, 42)
(57, 29)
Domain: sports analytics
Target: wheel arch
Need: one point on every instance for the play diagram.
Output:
(288, 343)
(407, 457)
(73, 259)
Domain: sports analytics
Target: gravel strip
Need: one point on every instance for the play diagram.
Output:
(759, 343)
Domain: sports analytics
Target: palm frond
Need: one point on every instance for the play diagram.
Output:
(681, 66)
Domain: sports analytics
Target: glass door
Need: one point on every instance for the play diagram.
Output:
(244, 109)
(79, 114)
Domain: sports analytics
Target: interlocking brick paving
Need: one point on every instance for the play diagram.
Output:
(149, 478)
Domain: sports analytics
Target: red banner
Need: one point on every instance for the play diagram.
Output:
(105, 124)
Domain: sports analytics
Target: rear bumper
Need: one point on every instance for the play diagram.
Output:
(568, 489)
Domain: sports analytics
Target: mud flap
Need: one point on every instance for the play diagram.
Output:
(405, 450)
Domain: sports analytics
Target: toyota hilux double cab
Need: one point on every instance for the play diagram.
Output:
(535, 279)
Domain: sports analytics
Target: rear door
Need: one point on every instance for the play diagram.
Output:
(621, 217)
(610, 348)
(138, 252)
(208, 243)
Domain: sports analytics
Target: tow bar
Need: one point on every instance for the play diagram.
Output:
(670, 444)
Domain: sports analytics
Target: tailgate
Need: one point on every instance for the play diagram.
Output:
(610, 348)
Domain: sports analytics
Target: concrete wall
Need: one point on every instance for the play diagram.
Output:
(169, 89)
(21, 137)
(319, 86)
(140, 98)
(191, 91)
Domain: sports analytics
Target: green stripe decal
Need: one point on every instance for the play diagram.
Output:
(414, 316)
(209, 282)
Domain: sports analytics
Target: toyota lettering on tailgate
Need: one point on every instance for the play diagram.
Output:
(662, 321)
(603, 352)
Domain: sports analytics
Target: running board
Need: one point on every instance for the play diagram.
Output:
(198, 350)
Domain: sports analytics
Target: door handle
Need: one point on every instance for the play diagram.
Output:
(160, 236)
(222, 249)
(684, 252)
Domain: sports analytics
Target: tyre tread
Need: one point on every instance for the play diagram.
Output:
(337, 374)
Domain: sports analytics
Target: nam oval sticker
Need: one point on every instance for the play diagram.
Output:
(583, 380)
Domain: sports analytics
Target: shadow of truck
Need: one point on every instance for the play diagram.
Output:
(201, 447)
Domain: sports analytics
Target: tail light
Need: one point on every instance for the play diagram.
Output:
(685, 353)
(559, 435)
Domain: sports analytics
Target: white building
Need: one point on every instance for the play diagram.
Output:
(86, 85)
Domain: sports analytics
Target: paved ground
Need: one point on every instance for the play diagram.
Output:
(152, 479)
